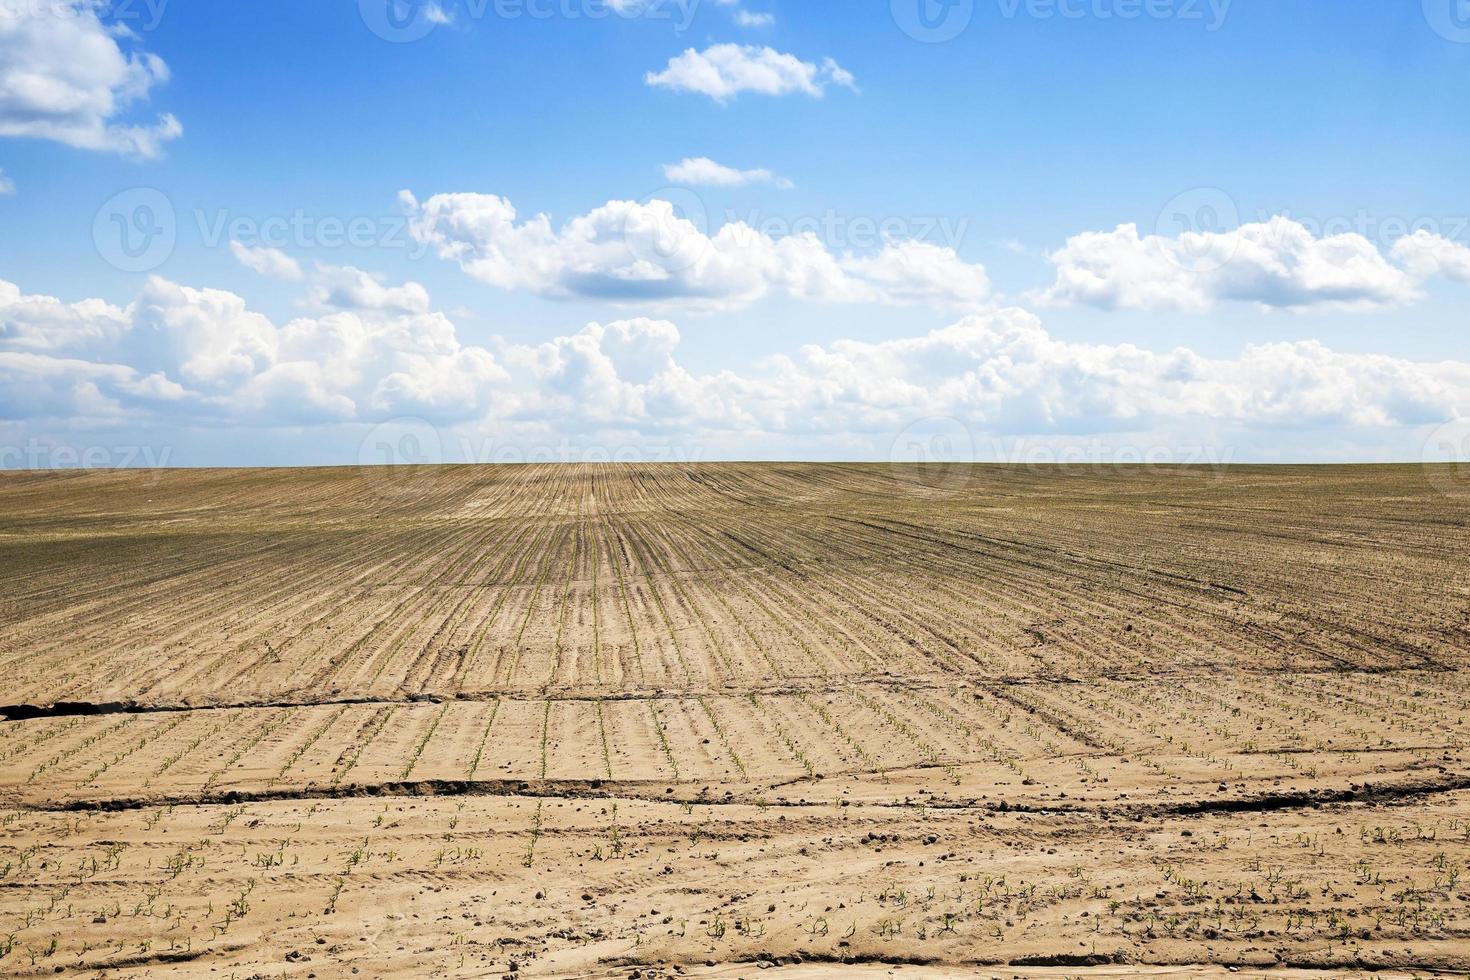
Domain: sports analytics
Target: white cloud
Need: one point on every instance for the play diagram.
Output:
(44, 323)
(335, 287)
(919, 272)
(266, 261)
(747, 19)
(702, 171)
(1275, 263)
(647, 253)
(39, 386)
(839, 75)
(997, 373)
(1425, 254)
(346, 288)
(202, 357)
(603, 375)
(1005, 372)
(65, 76)
(7, 186)
(723, 71)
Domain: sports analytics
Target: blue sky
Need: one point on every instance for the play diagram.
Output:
(1293, 285)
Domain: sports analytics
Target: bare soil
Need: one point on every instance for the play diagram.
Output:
(729, 720)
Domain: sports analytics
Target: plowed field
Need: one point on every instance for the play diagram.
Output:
(586, 720)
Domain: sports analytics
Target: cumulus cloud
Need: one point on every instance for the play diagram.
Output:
(203, 357)
(38, 386)
(723, 71)
(1275, 263)
(702, 171)
(335, 287)
(650, 254)
(7, 186)
(998, 372)
(204, 353)
(45, 323)
(920, 272)
(1005, 371)
(66, 76)
(370, 349)
(605, 374)
(1425, 254)
(347, 288)
(266, 261)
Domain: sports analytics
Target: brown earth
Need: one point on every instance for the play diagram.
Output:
(715, 720)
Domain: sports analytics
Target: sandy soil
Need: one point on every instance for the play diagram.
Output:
(735, 720)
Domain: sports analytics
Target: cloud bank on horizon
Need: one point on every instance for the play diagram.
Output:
(372, 352)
